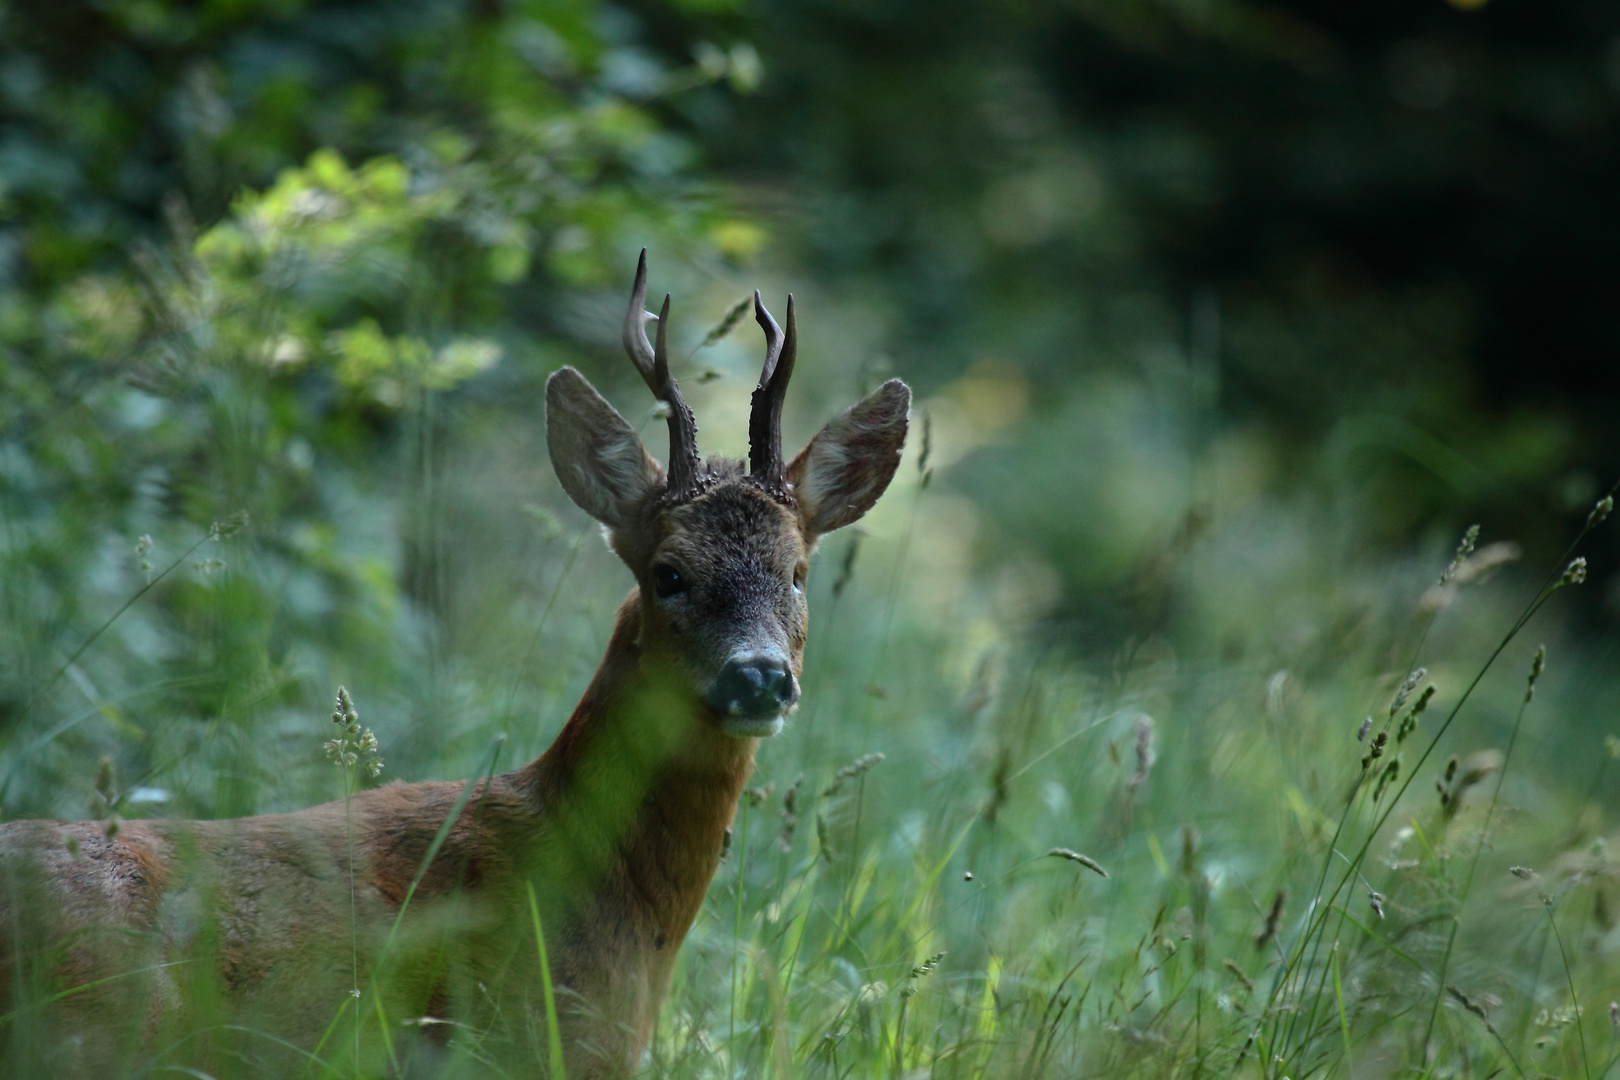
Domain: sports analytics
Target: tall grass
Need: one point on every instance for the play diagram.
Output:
(1047, 884)
(1308, 820)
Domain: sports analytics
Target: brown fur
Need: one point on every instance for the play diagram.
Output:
(618, 829)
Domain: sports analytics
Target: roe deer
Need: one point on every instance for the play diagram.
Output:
(233, 938)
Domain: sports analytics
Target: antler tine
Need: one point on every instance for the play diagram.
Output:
(635, 325)
(653, 363)
(765, 417)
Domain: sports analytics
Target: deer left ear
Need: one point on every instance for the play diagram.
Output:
(598, 457)
(839, 476)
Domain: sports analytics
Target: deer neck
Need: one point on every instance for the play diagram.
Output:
(639, 788)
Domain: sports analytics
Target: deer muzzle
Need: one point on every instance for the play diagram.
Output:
(752, 694)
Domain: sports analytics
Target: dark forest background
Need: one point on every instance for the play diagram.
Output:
(1387, 229)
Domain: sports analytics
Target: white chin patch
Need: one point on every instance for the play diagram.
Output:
(755, 727)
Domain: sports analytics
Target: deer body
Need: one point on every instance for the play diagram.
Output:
(611, 837)
(619, 846)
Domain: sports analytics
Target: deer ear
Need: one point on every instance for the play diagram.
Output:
(597, 454)
(839, 476)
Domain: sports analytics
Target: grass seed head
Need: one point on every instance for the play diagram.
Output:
(1423, 700)
(1248, 983)
(1405, 691)
(1477, 1008)
(921, 971)
(1474, 769)
(1537, 665)
(824, 848)
(846, 567)
(1464, 549)
(1602, 510)
(107, 797)
(1376, 750)
(1075, 857)
(1410, 721)
(105, 784)
(1472, 570)
(1273, 920)
(1575, 572)
(1000, 786)
(228, 527)
(790, 815)
(1145, 756)
(728, 322)
(857, 768)
(927, 966)
(1477, 767)
(1482, 564)
(355, 746)
(1391, 772)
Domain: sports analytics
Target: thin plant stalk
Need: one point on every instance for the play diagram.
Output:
(902, 557)
(553, 1028)
(1479, 848)
(354, 916)
(1317, 923)
(545, 613)
(421, 872)
(1569, 979)
(1344, 1019)
(1352, 810)
(84, 645)
(742, 865)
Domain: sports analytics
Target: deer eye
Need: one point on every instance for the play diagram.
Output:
(798, 576)
(667, 581)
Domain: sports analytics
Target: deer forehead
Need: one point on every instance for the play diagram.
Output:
(733, 522)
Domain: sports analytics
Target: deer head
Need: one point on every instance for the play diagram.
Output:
(720, 550)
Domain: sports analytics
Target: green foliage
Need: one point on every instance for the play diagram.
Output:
(312, 264)
(292, 359)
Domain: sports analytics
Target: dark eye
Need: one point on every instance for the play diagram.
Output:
(667, 581)
(798, 577)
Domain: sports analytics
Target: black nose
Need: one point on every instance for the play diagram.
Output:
(754, 686)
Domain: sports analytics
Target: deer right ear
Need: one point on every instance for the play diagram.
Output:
(597, 455)
(850, 462)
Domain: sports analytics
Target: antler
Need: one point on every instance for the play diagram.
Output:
(685, 466)
(765, 418)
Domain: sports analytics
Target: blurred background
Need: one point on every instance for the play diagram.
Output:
(1323, 282)
(1225, 319)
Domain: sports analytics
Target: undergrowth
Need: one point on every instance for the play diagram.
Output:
(1322, 811)
(1163, 866)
